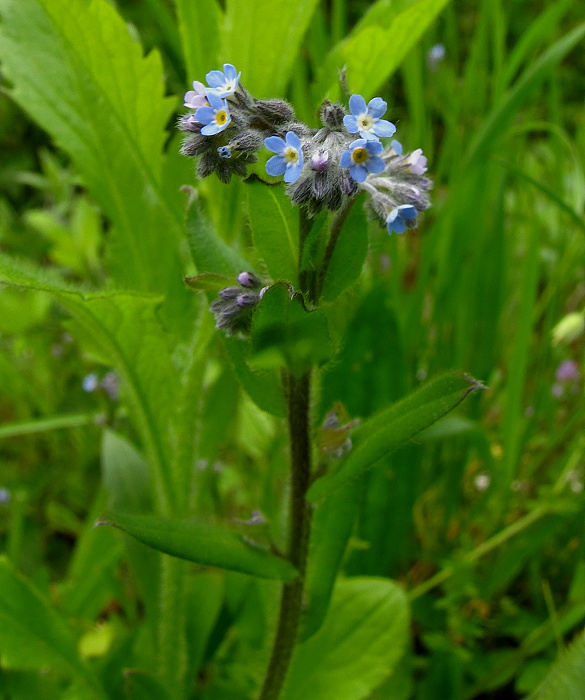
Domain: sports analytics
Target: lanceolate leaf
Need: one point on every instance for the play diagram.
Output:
(386, 431)
(566, 678)
(205, 544)
(77, 71)
(275, 230)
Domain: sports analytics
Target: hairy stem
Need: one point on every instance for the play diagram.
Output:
(291, 600)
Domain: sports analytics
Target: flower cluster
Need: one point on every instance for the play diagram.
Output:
(322, 168)
(234, 305)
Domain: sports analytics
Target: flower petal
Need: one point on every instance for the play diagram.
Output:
(350, 123)
(377, 107)
(204, 115)
(384, 128)
(374, 148)
(275, 165)
(357, 105)
(293, 140)
(215, 78)
(374, 164)
(293, 171)
(345, 160)
(407, 211)
(358, 172)
(275, 144)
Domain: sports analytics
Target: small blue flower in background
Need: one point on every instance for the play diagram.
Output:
(215, 117)
(366, 119)
(197, 97)
(223, 84)
(362, 157)
(396, 220)
(289, 156)
(90, 382)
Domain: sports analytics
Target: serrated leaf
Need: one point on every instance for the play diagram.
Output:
(386, 431)
(76, 70)
(33, 635)
(566, 678)
(278, 26)
(364, 635)
(204, 544)
(274, 224)
(365, 50)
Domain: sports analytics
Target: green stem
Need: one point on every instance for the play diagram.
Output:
(298, 399)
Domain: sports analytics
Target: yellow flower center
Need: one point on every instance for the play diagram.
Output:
(359, 155)
(291, 154)
(221, 117)
(365, 122)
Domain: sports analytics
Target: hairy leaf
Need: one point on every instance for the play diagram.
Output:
(77, 71)
(387, 430)
(203, 543)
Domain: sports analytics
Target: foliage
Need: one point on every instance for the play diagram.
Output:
(445, 557)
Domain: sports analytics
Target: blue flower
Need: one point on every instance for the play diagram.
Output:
(367, 120)
(396, 220)
(223, 84)
(289, 156)
(224, 152)
(215, 117)
(362, 157)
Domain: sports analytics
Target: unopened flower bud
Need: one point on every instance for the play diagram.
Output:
(248, 140)
(274, 111)
(320, 161)
(224, 152)
(230, 292)
(332, 115)
(247, 300)
(247, 279)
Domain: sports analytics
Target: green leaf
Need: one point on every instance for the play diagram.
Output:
(364, 635)
(566, 678)
(122, 330)
(198, 26)
(209, 282)
(275, 228)
(278, 27)
(263, 386)
(387, 430)
(125, 475)
(208, 250)
(33, 635)
(365, 50)
(332, 525)
(204, 544)
(77, 71)
(285, 334)
(348, 256)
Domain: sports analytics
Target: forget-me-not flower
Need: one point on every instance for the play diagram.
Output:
(289, 156)
(396, 220)
(215, 117)
(197, 97)
(223, 84)
(366, 119)
(362, 157)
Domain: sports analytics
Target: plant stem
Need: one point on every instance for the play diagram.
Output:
(291, 600)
